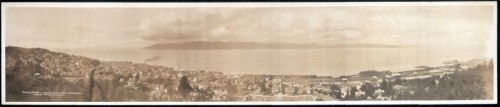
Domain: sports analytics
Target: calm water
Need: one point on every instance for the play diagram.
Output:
(331, 62)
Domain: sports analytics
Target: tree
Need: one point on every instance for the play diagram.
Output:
(445, 76)
(184, 86)
(383, 85)
(369, 89)
(398, 81)
(232, 88)
(348, 95)
(129, 75)
(167, 82)
(389, 91)
(136, 77)
(335, 91)
(115, 83)
(263, 88)
(353, 92)
(457, 66)
(433, 83)
(207, 94)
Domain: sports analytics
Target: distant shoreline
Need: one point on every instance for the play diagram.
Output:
(254, 45)
(226, 73)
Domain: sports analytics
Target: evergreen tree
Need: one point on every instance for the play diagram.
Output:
(353, 92)
(339, 95)
(129, 75)
(232, 88)
(369, 89)
(348, 95)
(433, 84)
(383, 85)
(398, 81)
(184, 86)
(263, 86)
(136, 77)
(457, 66)
(389, 91)
(335, 91)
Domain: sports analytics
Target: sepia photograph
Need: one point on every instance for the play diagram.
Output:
(249, 53)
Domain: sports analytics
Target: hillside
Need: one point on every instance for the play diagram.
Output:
(40, 70)
(36, 74)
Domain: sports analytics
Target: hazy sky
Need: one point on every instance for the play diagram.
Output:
(140, 27)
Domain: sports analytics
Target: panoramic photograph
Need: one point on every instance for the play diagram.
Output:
(249, 53)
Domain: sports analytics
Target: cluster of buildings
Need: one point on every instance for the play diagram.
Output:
(276, 87)
(216, 86)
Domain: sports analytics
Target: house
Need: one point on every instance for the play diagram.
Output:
(359, 93)
(179, 75)
(301, 90)
(370, 73)
(220, 95)
(416, 77)
(378, 92)
(437, 72)
(37, 75)
(322, 80)
(157, 91)
(289, 90)
(354, 83)
(281, 98)
(397, 87)
(275, 89)
(344, 91)
(395, 74)
(436, 82)
(380, 97)
(466, 67)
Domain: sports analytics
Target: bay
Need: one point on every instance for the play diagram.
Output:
(323, 62)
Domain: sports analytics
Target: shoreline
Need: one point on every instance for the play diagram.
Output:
(402, 69)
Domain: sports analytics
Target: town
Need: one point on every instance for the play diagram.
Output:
(42, 70)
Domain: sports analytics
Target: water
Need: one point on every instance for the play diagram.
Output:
(328, 62)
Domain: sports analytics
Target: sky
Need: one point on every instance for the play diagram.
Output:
(62, 27)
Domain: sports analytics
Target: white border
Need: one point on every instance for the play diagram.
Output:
(271, 4)
(435, 102)
(317, 4)
(3, 54)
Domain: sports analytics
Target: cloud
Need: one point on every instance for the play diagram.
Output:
(327, 25)
(139, 27)
(248, 25)
(184, 25)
